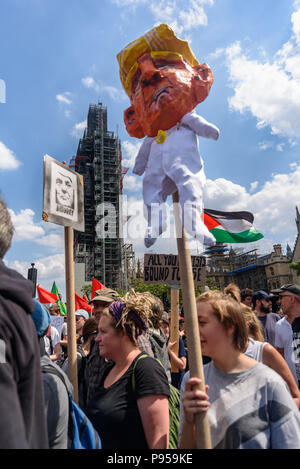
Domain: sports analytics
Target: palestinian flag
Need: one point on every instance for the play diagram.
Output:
(231, 227)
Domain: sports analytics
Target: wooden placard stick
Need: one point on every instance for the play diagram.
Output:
(174, 324)
(203, 438)
(71, 323)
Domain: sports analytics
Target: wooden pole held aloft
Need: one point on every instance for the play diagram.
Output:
(71, 322)
(174, 324)
(203, 438)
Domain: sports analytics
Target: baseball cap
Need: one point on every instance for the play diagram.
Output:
(107, 295)
(83, 313)
(261, 295)
(289, 287)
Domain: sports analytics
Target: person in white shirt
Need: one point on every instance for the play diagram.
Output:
(285, 338)
(52, 344)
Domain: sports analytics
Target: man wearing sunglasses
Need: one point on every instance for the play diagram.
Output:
(287, 330)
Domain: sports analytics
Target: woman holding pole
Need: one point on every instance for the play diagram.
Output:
(247, 404)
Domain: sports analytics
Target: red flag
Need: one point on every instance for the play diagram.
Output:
(45, 296)
(96, 285)
(80, 303)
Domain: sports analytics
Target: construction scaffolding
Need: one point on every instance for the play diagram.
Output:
(98, 159)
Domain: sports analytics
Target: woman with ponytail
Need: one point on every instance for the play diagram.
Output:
(130, 409)
(262, 351)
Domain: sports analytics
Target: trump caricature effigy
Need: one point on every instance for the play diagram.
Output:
(165, 82)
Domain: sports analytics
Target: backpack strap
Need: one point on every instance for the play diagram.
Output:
(133, 375)
(261, 351)
(53, 371)
(144, 355)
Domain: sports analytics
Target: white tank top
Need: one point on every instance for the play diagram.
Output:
(255, 350)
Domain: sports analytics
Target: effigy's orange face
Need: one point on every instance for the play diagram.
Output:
(164, 88)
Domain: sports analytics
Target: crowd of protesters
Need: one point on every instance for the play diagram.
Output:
(249, 340)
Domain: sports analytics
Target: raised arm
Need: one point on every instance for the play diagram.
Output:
(200, 126)
(142, 157)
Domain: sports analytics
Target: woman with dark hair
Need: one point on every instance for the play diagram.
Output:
(130, 408)
(247, 404)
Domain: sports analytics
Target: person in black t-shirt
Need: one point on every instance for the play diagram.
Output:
(130, 407)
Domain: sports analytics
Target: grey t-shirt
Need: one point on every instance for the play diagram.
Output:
(252, 409)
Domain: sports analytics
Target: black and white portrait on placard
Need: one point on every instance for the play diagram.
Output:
(63, 192)
(63, 195)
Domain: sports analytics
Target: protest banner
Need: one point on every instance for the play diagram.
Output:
(63, 204)
(164, 268)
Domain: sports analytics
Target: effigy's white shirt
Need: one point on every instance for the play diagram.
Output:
(175, 165)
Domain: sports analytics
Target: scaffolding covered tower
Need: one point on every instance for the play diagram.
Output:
(98, 159)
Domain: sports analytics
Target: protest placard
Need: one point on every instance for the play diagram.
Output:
(164, 268)
(63, 195)
(57, 322)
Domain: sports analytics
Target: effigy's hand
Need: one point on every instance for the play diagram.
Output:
(194, 400)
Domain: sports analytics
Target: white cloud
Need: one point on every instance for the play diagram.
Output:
(25, 228)
(273, 205)
(78, 129)
(279, 147)
(181, 15)
(270, 90)
(216, 54)
(89, 82)
(63, 98)
(253, 186)
(8, 159)
(265, 145)
(50, 269)
(129, 152)
(114, 93)
(132, 183)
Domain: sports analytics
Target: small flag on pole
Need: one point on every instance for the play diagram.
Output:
(96, 285)
(80, 303)
(62, 306)
(45, 296)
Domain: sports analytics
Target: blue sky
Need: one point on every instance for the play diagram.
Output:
(58, 57)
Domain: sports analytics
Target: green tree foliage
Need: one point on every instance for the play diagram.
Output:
(87, 290)
(296, 266)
